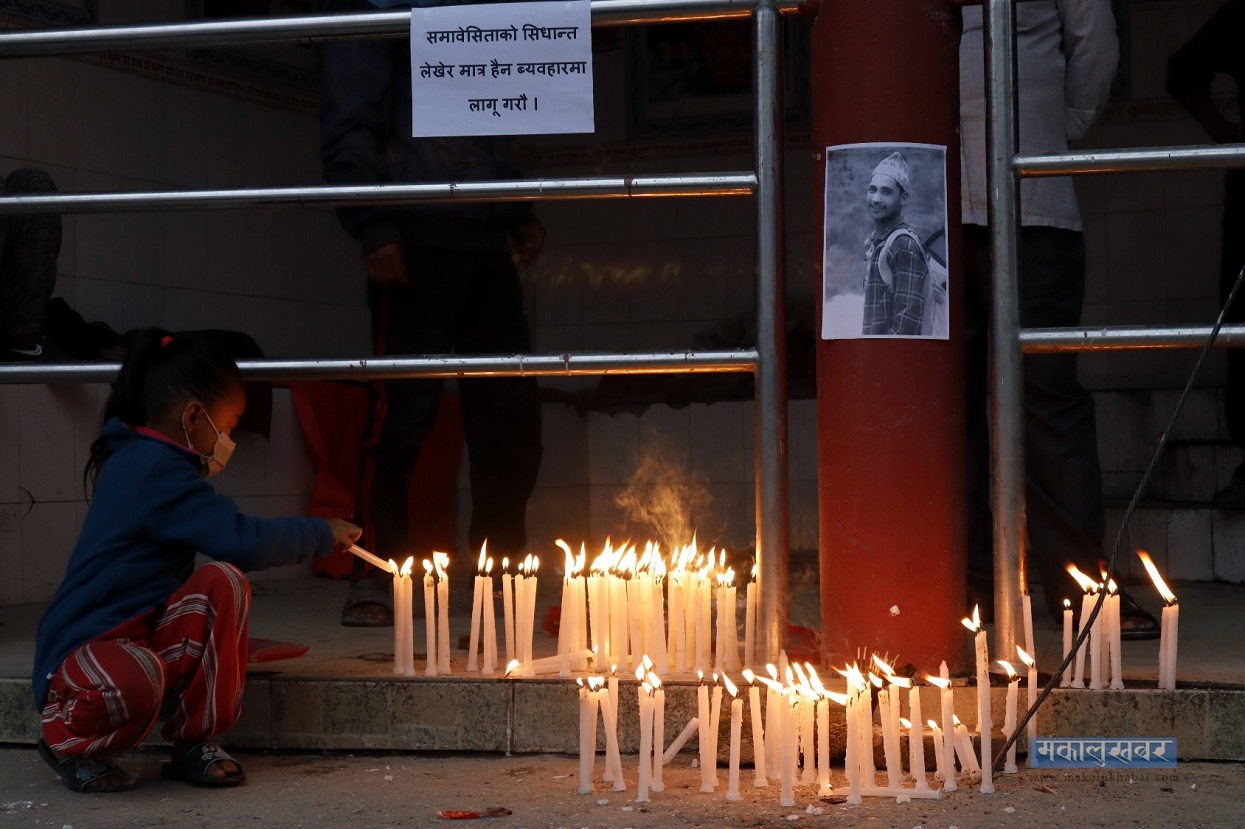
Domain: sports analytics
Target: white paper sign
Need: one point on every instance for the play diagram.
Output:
(502, 69)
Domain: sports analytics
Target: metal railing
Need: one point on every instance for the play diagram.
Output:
(767, 361)
(1005, 167)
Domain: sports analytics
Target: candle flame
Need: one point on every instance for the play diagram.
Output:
(595, 682)
(730, 686)
(1087, 584)
(639, 673)
(428, 567)
(513, 666)
(569, 566)
(579, 682)
(1159, 584)
(1024, 657)
(955, 720)
(1111, 587)
(488, 566)
(840, 699)
(749, 675)
(815, 680)
(905, 723)
(937, 681)
(654, 680)
(483, 556)
(393, 565)
(407, 565)
(647, 663)
(877, 681)
(973, 624)
(701, 675)
(1007, 666)
(883, 666)
(1067, 604)
(900, 681)
(771, 670)
(442, 562)
(933, 726)
(505, 563)
(648, 689)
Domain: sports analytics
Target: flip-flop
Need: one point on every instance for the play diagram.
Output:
(195, 763)
(79, 773)
(1145, 625)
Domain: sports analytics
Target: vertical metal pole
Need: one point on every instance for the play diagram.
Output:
(771, 378)
(1002, 138)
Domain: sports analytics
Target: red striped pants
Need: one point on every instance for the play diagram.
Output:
(107, 695)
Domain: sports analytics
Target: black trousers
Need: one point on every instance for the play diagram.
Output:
(1231, 258)
(29, 248)
(465, 303)
(1063, 479)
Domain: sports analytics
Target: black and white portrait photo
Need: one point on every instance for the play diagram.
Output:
(884, 270)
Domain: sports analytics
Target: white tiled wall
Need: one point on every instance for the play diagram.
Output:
(614, 275)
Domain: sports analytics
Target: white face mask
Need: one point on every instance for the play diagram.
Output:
(221, 450)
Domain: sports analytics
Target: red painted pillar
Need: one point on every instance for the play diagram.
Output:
(891, 411)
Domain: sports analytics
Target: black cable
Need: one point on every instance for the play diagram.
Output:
(1086, 624)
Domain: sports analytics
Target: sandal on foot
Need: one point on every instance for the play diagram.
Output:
(195, 765)
(83, 774)
(367, 606)
(1136, 623)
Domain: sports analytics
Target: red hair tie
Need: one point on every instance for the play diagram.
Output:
(165, 340)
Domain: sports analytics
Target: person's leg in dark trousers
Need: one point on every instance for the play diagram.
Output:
(29, 249)
(1063, 487)
(1231, 258)
(412, 319)
(501, 416)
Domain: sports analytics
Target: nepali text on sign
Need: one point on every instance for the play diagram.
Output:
(502, 69)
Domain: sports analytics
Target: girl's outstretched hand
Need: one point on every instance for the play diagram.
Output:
(344, 533)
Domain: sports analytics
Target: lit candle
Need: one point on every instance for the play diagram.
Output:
(704, 624)
(587, 735)
(888, 711)
(750, 621)
(566, 614)
(430, 619)
(618, 617)
(442, 561)
(916, 739)
(719, 651)
(758, 732)
(737, 711)
(529, 614)
(507, 609)
(983, 696)
(400, 581)
(613, 762)
(773, 722)
(947, 704)
(598, 611)
(789, 749)
(707, 761)
(659, 731)
(657, 616)
(822, 705)
(1113, 623)
(1169, 626)
(1026, 607)
(1031, 686)
(635, 613)
(645, 700)
(1065, 681)
(715, 719)
(852, 759)
(678, 632)
(1095, 632)
(477, 610)
(1009, 716)
(490, 621)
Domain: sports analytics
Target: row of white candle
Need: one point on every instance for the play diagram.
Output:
(1103, 646)
(796, 726)
(632, 605)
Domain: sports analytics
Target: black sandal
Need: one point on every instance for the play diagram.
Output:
(1144, 625)
(195, 764)
(82, 774)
